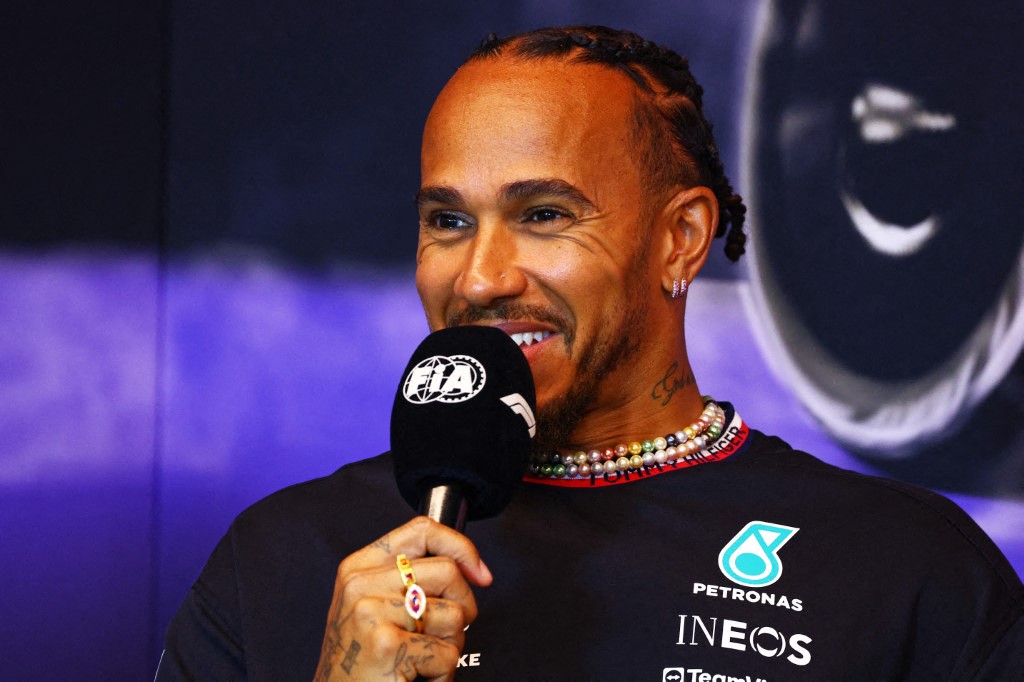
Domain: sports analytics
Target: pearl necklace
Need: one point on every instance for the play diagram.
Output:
(636, 455)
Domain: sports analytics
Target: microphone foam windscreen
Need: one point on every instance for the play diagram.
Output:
(464, 414)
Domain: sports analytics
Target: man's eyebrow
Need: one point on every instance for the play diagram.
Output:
(439, 195)
(523, 190)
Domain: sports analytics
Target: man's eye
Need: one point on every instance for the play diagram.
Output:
(449, 221)
(543, 215)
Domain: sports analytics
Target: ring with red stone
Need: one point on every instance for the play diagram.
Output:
(415, 597)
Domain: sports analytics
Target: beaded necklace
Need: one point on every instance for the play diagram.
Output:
(636, 455)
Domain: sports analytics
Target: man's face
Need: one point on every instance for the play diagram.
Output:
(532, 220)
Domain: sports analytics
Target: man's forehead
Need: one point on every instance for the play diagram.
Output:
(544, 109)
(502, 121)
(564, 86)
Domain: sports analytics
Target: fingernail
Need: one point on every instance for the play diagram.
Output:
(486, 571)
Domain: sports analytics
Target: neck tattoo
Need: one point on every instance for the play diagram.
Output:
(636, 455)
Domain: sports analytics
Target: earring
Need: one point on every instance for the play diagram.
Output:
(678, 288)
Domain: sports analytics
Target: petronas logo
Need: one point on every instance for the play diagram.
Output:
(752, 557)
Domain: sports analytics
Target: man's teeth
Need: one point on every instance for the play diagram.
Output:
(529, 338)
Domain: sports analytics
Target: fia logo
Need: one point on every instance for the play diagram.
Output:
(673, 675)
(751, 558)
(445, 378)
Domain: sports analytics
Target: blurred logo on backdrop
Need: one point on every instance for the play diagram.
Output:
(884, 179)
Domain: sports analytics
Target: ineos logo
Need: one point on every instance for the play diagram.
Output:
(737, 635)
(446, 378)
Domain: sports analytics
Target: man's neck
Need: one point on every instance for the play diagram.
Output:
(669, 404)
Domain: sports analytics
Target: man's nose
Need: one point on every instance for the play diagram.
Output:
(491, 271)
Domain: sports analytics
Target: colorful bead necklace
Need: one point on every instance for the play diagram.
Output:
(636, 455)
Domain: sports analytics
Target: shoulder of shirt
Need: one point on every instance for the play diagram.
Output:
(927, 508)
(773, 452)
(349, 485)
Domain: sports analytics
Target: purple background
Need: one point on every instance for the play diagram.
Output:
(206, 287)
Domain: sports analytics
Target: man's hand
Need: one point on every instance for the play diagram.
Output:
(369, 633)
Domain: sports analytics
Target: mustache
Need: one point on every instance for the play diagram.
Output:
(511, 311)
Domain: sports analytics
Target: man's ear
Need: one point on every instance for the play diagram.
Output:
(687, 225)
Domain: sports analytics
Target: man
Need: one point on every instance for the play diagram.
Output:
(570, 192)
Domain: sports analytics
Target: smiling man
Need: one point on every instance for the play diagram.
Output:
(538, 216)
(571, 190)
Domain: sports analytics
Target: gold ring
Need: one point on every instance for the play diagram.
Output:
(415, 597)
(405, 568)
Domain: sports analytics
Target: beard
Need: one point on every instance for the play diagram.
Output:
(557, 420)
(596, 359)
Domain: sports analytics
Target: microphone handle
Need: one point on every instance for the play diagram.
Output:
(446, 504)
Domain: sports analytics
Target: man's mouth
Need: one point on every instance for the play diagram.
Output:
(525, 339)
(529, 326)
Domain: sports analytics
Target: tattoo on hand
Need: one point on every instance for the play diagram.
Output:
(383, 543)
(332, 644)
(399, 657)
(670, 383)
(428, 643)
(350, 657)
(406, 663)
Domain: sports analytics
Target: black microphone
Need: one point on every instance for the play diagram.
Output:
(462, 424)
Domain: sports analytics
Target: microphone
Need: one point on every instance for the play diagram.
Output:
(462, 424)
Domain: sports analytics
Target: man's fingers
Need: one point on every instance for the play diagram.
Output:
(433, 657)
(418, 655)
(441, 579)
(390, 652)
(438, 577)
(421, 537)
(381, 638)
(370, 633)
(443, 619)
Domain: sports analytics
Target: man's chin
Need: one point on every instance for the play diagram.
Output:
(557, 420)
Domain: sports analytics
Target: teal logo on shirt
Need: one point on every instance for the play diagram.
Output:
(751, 558)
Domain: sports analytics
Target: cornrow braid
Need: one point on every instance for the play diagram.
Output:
(668, 87)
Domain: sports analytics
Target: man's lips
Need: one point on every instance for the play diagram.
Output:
(532, 327)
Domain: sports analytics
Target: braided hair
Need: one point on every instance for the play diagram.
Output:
(677, 141)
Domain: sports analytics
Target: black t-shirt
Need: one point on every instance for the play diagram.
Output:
(766, 565)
